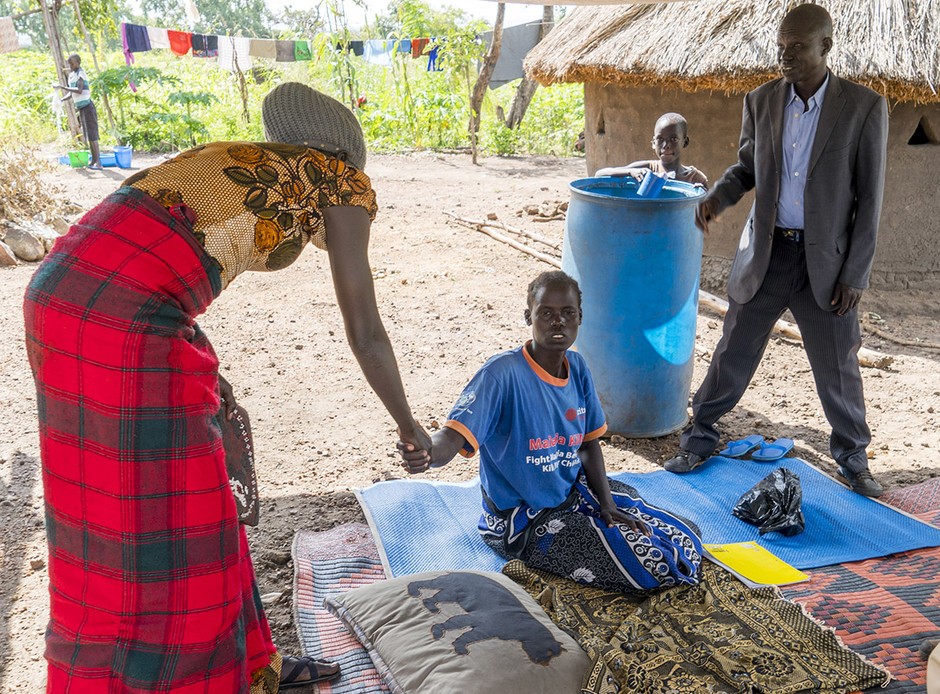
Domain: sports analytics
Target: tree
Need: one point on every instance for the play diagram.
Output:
(224, 17)
(483, 79)
(417, 19)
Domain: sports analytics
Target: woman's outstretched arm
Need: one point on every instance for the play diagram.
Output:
(347, 238)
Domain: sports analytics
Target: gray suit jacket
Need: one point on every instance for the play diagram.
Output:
(842, 198)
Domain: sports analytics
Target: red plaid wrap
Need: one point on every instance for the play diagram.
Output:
(151, 585)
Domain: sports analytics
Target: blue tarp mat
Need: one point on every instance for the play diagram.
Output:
(427, 526)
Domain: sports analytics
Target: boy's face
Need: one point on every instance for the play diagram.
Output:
(668, 142)
(555, 317)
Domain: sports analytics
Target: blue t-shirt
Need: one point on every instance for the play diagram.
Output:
(528, 427)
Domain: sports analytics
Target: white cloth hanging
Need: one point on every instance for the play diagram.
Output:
(159, 38)
(234, 49)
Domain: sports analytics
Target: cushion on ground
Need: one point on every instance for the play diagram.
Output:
(461, 631)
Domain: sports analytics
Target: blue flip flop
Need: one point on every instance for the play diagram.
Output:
(768, 452)
(739, 449)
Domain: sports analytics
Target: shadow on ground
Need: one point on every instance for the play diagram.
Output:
(22, 521)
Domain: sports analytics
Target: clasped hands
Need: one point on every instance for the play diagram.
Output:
(415, 450)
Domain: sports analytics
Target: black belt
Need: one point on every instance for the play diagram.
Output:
(795, 235)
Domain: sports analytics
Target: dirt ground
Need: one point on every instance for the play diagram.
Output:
(451, 297)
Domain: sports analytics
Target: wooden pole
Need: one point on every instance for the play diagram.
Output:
(866, 357)
(551, 260)
(483, 80)
(50, 19)
(502, 225)
(527, 86)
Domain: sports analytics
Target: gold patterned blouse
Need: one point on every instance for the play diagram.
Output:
(256, 204)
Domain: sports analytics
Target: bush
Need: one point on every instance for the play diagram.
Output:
(180, 101)
(26, 93)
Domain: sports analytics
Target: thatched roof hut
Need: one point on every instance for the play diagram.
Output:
(699, 58)
(729, 45)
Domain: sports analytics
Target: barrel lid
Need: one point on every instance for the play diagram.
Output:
(625, 188)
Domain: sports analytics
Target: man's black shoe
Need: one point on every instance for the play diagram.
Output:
(683, 462)
(862, 483)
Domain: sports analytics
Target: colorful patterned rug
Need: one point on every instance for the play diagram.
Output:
(328, 563)
(718, 636)
(881, 608)
(884, 608)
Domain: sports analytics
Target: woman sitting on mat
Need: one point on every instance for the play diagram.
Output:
(535, 418)
(151, 584)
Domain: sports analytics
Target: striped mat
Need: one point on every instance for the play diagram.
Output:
(883, 608)
(329, 563)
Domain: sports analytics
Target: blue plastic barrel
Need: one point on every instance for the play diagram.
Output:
(637, 261)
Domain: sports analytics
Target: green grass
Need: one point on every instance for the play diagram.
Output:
(180, 100)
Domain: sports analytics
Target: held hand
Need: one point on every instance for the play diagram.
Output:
(414, 461)
(614, 516)
(415, 449)
(846, 298)
(705, 212)
(228, 397)
(416, 436)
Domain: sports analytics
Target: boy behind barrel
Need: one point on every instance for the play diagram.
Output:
(670, 137)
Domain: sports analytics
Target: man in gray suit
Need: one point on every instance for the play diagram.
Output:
(813, 146)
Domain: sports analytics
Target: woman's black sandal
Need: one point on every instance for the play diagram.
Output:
(316, 670)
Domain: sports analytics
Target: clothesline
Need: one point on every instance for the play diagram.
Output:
(238, 52)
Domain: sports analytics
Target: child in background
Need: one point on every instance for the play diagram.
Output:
(78, 89)
(670, 137)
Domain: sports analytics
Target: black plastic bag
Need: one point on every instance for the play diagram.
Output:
(773, 504)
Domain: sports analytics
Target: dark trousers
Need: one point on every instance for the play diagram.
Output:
(831, 343)
(88, 117)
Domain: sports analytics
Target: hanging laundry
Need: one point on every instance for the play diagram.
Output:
(192, 14)
(233, 53)
(130, 39)
(284, 51)
(517, 42)
(404, 46)
(181, 42)
(302, 51)
(135, 39)
(379, 52)
(433, 57)
(263, 48)
(9, 42)
(159, 38)
(354, 47)
(205, 46)
(418, 46)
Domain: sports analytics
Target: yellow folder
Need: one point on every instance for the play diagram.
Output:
(754, 565)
